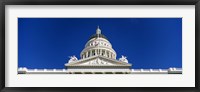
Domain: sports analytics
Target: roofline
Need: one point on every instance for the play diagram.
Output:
(97, 56)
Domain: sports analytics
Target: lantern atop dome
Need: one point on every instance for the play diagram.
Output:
(98, 31)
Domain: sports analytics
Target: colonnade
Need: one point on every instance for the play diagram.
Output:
(101, 52)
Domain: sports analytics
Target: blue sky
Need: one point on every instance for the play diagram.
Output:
(147, 42)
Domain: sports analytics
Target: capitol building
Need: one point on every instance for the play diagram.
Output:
(98, 57)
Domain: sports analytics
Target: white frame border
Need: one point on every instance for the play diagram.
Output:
(187, 79)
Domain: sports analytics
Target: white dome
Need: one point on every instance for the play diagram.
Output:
(98, 45)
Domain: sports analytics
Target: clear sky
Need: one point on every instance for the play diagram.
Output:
(147, 42)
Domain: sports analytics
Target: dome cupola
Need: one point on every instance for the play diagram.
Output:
(98, 44)
(98, 34)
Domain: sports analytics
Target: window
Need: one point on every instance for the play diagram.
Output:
(93, 52)
(103, 52)
(107, 53)
(88, 54)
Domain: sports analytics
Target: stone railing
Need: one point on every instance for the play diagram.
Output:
(157, 71)
(175, 70)
(149, 71)
(24, 70)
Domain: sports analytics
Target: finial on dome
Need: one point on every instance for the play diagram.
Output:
(98, 31)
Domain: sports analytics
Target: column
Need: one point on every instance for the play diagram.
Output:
(106, 53)
(100, 52)
(84, 55)
(110, 54)
(95, 51)
(90, 53)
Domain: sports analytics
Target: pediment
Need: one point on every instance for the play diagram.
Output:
(98, 61)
